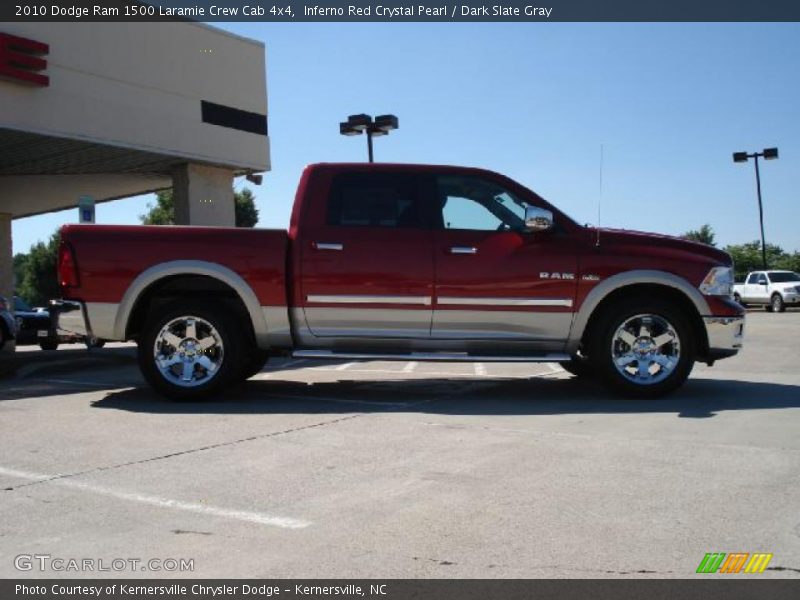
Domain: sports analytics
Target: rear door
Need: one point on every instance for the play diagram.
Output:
(367, 266)
(494, 279)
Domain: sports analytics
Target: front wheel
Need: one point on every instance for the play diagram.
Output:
(644, 348)
(191, 350)
(777, 303)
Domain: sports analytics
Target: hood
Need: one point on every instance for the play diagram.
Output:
(624, 237)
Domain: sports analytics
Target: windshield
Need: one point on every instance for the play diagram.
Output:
(21, 305)
(783, 277)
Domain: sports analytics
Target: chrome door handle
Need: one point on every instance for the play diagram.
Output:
(328, 246)
(463, 250)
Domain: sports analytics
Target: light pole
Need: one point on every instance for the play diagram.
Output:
(766, 154)
(358, 124)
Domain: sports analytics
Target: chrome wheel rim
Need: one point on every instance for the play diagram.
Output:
(188, 351)
(645, 349)
(776, 303)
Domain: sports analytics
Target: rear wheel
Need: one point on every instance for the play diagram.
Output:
(255, 362)
(578, 365)
(776, 302)
(644, 348)
(191, 350)
(738, 299)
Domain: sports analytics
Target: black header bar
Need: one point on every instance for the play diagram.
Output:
(403, 11)
(729, 588)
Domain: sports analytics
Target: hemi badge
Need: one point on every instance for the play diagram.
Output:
(590, 277)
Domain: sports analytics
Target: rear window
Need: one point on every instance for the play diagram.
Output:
(374, 200)
(784, 277)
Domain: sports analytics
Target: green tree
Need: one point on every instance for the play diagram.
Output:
(163, 211)
(704, 235)
(747, 257)
(37, 281)
(789, 262)
(19, 268)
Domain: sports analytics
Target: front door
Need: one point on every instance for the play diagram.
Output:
(756, 287)
(367, 268)
(494, 279)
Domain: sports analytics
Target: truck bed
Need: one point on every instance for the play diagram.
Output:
(110, 257)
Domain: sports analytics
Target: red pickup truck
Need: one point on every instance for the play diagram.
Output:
(406, 262)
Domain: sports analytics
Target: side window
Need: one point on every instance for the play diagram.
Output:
(375, 200)
(762, 278)
(753, 278)
(478, 205)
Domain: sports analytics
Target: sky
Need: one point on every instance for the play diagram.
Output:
(664, 105)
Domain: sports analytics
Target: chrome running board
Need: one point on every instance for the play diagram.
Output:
(429, 356)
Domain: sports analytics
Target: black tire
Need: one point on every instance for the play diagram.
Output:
(255, 361)
(213, 321)
(679, 353)
(738, 299)
(579, 366)
(776, 303)
(49, 345)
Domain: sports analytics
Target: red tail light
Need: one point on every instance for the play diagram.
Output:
(67, 269)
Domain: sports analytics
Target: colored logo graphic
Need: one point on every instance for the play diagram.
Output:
(736, 562)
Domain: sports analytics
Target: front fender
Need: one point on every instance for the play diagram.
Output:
(621, 280)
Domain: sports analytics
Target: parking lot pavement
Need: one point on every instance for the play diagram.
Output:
(383, 469)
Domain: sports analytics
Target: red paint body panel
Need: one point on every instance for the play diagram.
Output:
(110, 257)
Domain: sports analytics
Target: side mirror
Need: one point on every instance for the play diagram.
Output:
(538, 219)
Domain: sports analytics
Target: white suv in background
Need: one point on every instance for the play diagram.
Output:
(774, 289)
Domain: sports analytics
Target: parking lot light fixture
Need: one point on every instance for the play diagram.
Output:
(358, 124)
(766, 154)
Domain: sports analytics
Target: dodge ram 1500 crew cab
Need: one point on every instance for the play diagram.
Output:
(407, 262)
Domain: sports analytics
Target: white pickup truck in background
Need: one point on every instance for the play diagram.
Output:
(774, 289)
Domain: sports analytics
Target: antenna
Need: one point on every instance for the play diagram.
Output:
(600, 196)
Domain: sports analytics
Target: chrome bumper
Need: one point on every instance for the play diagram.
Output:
(70, 318)
(791, 298)
(725, 335)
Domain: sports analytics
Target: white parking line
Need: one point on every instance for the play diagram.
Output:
(480, 369)
(555, 368)
(202, 509)
(409, 368)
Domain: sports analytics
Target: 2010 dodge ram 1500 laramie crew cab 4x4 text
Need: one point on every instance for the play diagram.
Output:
(407, 262)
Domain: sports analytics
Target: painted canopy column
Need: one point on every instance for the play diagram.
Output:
(203, 195)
